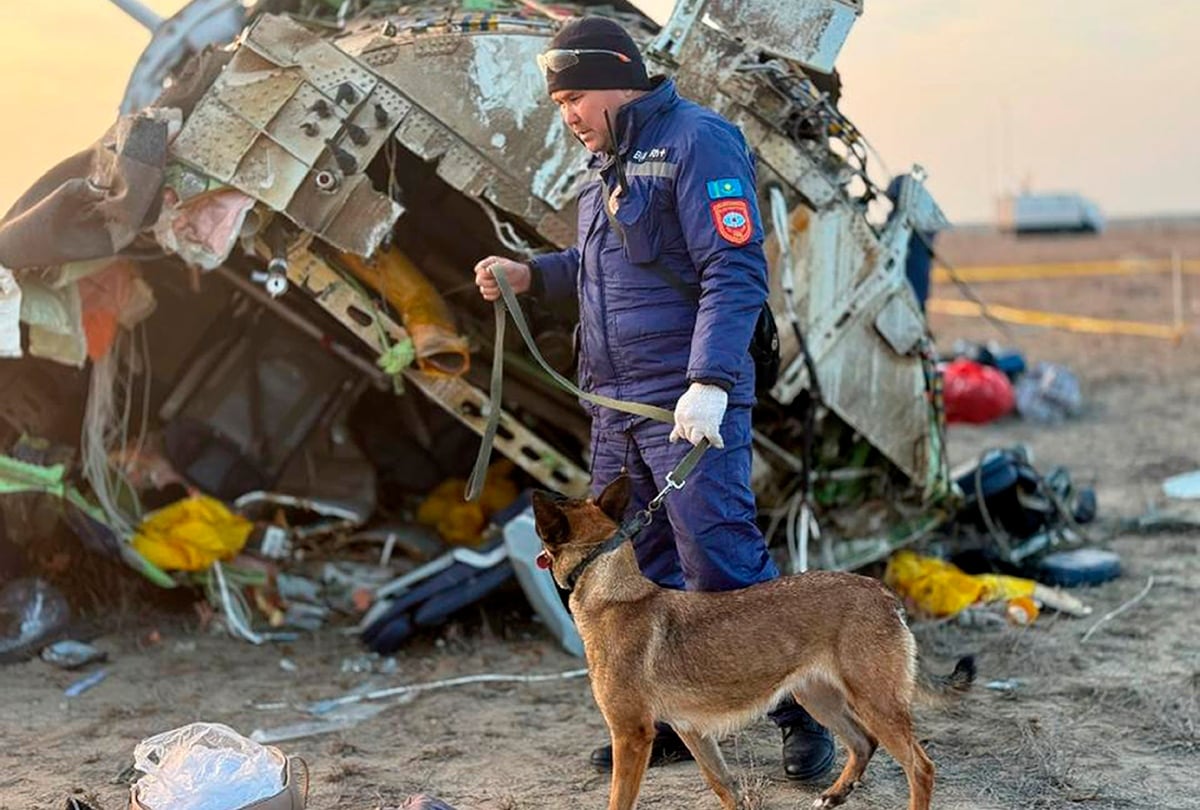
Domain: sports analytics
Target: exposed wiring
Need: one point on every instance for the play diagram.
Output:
(505, 232)
(233, 605)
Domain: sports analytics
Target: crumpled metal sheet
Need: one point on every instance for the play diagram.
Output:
(294, 122)
(863, 330)
(811, 32)
(497, 137)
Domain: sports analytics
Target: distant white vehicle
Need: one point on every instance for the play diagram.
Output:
(1049, 213)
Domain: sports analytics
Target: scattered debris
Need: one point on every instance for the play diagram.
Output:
(422, 802)
(324, 707)
(1119, 610)
(975, 393)
(69, 654)
(31, 612)
(339, 719)
(1080, 566)
(1048, 393)
(936, 588)
(1006, 685)
(1186, 485)
(190, 535)
(85, 683)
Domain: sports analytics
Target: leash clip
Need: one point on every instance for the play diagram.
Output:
(662, 493)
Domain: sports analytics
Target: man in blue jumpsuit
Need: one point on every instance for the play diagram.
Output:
(670, 277)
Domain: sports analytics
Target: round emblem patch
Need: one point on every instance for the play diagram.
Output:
(732, 220)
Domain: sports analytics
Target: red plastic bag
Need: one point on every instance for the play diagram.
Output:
(975, 393)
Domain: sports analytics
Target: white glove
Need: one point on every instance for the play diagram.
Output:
(698, 414)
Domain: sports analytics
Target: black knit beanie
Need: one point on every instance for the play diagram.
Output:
(597, 71)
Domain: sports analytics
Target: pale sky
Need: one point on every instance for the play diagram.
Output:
(1100, 97)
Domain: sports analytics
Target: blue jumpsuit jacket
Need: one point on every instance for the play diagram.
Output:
(646, 332)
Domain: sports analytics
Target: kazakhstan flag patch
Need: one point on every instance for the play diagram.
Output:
(720, 189)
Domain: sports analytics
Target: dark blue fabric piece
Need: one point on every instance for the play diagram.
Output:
(918, 265)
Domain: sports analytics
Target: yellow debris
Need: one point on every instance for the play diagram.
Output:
(936, 588)
(191, 534)
(459, 522)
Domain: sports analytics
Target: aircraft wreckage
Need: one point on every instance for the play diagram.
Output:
(343, 171)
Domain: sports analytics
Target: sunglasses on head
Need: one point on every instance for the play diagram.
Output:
(557, 60)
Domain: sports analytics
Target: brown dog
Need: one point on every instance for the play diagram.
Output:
(708, 663)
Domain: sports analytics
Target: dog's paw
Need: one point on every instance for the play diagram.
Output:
(824, 802)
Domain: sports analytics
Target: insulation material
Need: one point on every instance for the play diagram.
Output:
(10, 314)
(202, 230)
(112, 299)
(422, 310)
(55, 318)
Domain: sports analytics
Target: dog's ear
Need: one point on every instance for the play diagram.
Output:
(615, 498)
(552, 525)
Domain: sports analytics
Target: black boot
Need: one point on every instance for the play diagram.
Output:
(667, 748)
(808, 750)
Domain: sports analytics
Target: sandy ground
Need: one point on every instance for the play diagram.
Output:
(1110, 723)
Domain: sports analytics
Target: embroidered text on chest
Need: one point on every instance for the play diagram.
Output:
(657, 153)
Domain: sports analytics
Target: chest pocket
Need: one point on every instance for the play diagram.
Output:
(635, 223)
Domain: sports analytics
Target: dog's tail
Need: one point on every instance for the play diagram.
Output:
(939, 690)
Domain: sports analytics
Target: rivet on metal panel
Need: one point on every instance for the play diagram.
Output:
(310, 129)
(380, 56)
(437, 44)
(326, 181)
(381, 115)
(321, 108)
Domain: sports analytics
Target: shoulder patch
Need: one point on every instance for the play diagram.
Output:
(724, 188)
(732, 219)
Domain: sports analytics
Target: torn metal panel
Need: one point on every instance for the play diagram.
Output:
(269, 173)
(361, 219)
(297, 129)
(257, 88)
(863, 330)
(901, 325)
(798, 166)
(498, 131)
(810, 32)
(214, 139)
(294, 122)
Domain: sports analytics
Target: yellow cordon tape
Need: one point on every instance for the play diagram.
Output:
(1055, 320)
(1027, 272)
